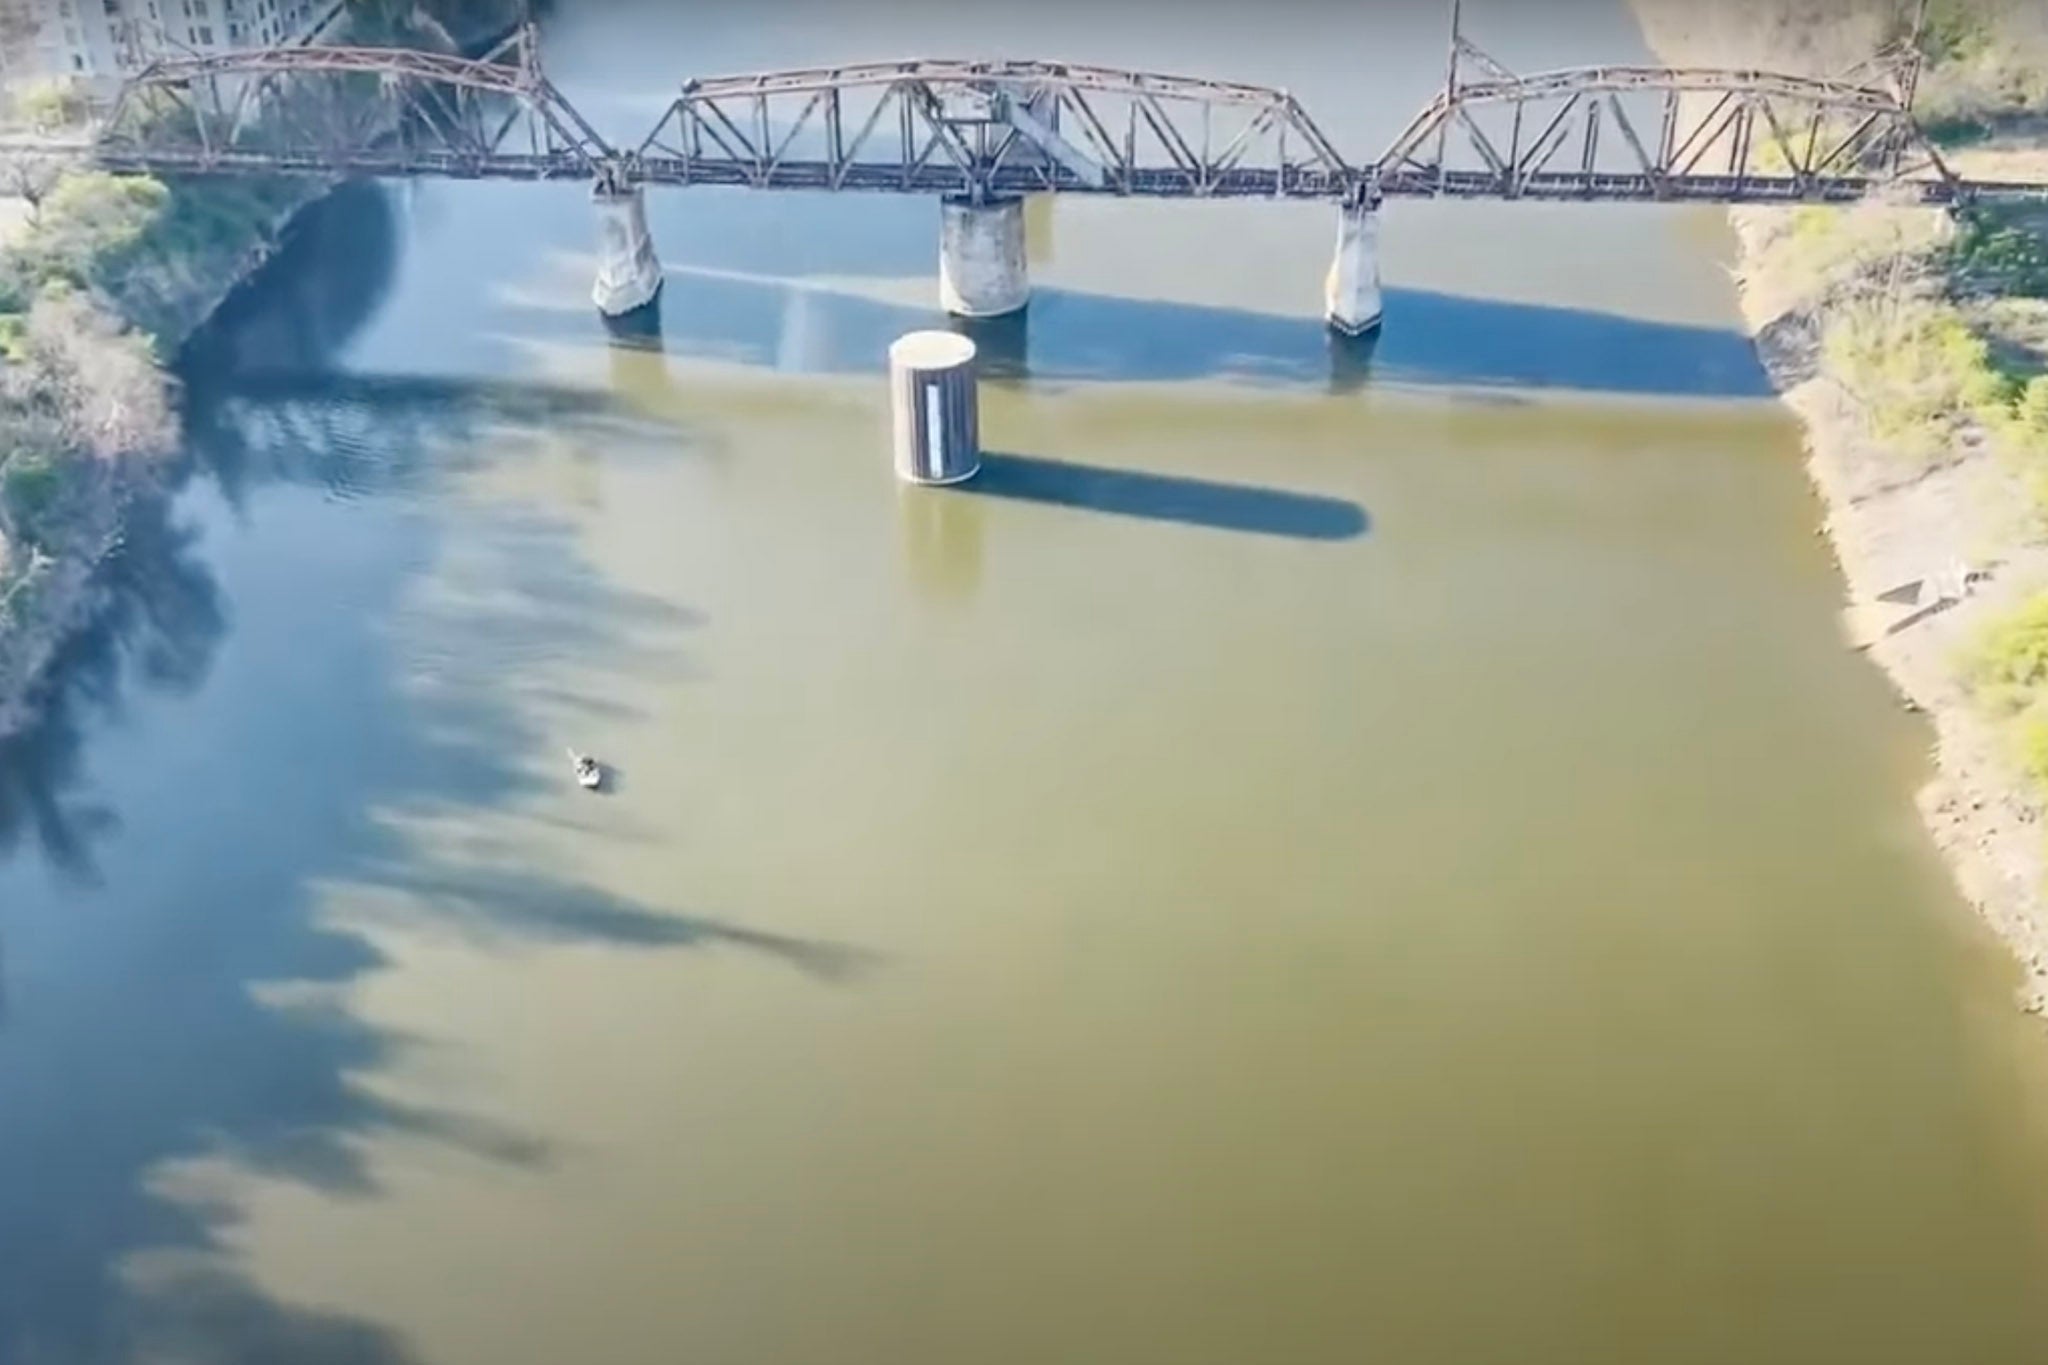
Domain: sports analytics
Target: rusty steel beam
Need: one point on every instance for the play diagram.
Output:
(1134, 126)
(987, 129)
(1747, 125)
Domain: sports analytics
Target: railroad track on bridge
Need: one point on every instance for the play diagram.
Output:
(983, 134)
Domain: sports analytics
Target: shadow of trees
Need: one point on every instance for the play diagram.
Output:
(173, 990)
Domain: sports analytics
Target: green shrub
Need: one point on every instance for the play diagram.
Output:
(48, 105)
(88, 224)
(1918, 370)
(1999, 250)
(2008, 663)
(2031, 741)
(2030, 413)
(30, 482)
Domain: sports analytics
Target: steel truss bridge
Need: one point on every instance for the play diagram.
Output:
(997, 129)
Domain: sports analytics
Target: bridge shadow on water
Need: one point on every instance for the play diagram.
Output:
(1430, 340)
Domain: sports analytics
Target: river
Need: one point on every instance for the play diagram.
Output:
(1324, 856)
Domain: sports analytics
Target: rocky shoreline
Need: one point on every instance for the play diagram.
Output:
(1928, 552)
(1926, 562)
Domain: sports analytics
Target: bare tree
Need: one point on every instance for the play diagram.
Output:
(103, 382)
(29, 179)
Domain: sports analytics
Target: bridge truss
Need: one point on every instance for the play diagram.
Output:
(988, 129)
(349, 111)
(1662, 134)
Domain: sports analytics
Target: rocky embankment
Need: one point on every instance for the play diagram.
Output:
(1932, 545)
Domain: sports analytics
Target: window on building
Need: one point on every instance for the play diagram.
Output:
(206, 34)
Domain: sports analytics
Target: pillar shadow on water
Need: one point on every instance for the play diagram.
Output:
(638, 353)
(1001, 345)
(1174, 498)
(1351, 360)
(638, 330)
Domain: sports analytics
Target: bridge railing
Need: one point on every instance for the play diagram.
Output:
(1666, 133)
(375, 111)
(986, 129)
(982, 130)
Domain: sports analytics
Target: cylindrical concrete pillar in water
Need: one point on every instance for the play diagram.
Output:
(937, 417)
(1351, 291)
(983, 270)
(628, 271)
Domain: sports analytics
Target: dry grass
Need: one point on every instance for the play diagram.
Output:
(1989, 56)
(1805, 36)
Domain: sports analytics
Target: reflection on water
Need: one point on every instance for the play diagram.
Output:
(1256, 878)
(163, 620)
(942, 542)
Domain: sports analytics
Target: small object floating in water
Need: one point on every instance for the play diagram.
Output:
(589, 773)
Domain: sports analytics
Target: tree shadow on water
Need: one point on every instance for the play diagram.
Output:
(160, 624)
(178, 990)
(493, 905)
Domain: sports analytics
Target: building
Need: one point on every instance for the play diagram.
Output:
(94, 43)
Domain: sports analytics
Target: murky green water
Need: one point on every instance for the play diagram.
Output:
(1319, 858)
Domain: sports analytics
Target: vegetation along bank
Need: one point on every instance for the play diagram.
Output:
(1914, 347)
(102, 279)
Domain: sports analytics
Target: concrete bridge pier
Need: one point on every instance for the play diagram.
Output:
(1351, 291)
(628, 271)
(983, 266)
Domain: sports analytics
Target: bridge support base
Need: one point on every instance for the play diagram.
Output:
(628, 272)
(1351, 291)
(983, 270)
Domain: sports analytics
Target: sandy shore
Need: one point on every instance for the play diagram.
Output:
(1899, 531)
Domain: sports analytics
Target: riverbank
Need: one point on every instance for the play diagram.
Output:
(111, 280)
(130, 262)
(1935, 521)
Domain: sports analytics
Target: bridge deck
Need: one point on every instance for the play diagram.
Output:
(981, 129)
(1244, 183)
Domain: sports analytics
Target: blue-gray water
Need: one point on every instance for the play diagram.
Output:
(1325, 854)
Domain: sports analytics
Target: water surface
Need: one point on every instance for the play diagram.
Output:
(1323, 854)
